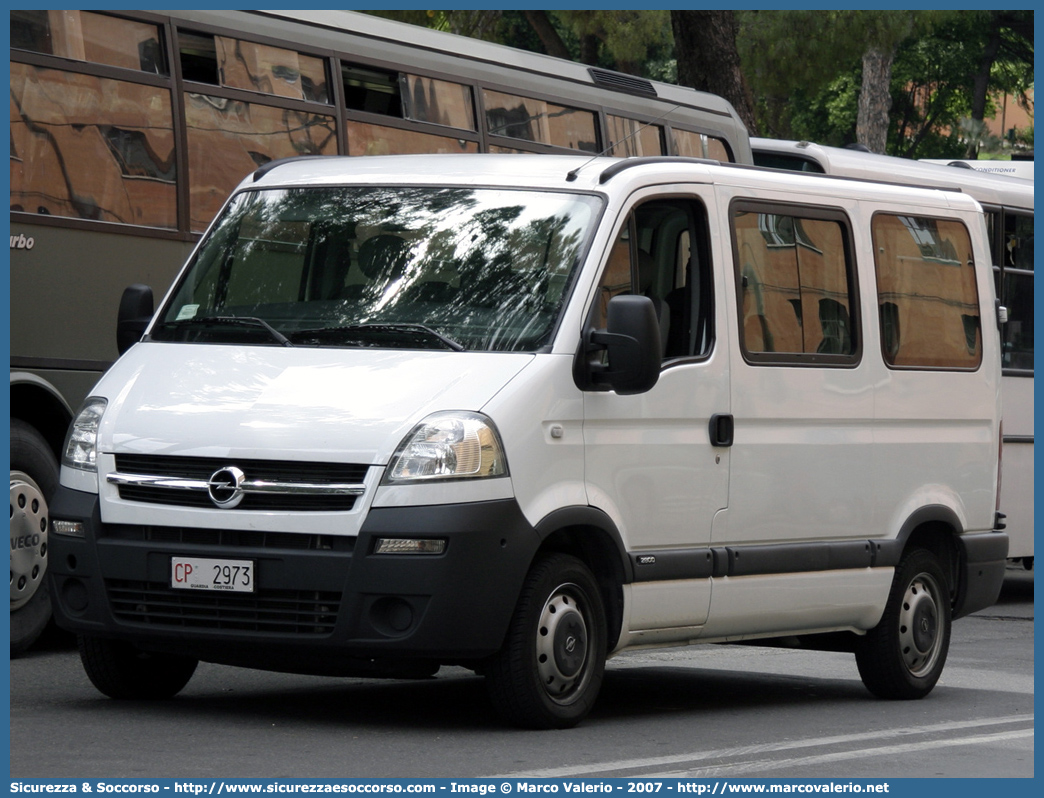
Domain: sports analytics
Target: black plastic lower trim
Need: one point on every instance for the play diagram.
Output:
(783, 558)
(323, 610)
(983, 560)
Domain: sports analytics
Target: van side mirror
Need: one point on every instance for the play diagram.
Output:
(631, 343)
(136, 309)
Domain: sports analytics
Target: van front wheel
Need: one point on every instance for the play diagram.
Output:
(550, 669)
(119, 670)
(903, 656)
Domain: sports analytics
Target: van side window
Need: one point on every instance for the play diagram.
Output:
(661, 252)
(796, 291)
(926, 293)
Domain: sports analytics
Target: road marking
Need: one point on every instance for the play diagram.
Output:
(696, 757)
(761, 765)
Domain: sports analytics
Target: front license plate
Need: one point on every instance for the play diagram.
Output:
(195, 573)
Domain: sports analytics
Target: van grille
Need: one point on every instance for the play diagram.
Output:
(200, 469)
(292, 612)
(238, 538)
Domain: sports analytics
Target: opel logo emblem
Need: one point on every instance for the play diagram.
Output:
(226, 487)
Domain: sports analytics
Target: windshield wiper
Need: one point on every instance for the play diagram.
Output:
(243, 321)
(383, 327)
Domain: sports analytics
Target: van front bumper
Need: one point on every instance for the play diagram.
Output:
(321, 604)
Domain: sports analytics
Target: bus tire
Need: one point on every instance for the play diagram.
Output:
(903, 656)
(549, 671)
(119, 670)
(34, 479)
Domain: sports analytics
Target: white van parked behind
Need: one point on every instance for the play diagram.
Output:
(521, 413)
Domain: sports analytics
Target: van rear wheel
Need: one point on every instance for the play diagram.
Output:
(550, 669)
(119, 670)
(903, 656)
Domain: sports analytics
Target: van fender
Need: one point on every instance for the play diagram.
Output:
(887, 552)
(580, 516)
(590, 534)
(975, 562)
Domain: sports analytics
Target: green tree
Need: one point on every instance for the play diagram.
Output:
(1006, 38)
(817, 48)
(941, 96)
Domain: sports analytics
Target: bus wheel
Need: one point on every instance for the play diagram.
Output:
(34, 479)
(119, 670)
(549, 671)
(903, 656)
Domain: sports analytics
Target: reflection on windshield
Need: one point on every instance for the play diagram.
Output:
(481, 269)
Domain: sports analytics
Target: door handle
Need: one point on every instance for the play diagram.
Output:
(722, 427)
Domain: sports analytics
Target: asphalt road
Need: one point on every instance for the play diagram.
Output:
(700, 711)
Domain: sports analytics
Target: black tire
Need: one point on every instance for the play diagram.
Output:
(549, 672)
(119, 670)
(903, 656)
(34, 479)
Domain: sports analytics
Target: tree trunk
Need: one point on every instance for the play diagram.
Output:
(589, 49)
(981, 86)
(545, 31)
(705, 45)
(875, 99)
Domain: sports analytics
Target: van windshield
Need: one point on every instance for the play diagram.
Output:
(403, 267)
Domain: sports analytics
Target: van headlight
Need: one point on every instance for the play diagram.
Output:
(81, 444)
(455, 445)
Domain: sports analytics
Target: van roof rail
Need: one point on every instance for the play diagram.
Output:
(264, 169)
(627, 163)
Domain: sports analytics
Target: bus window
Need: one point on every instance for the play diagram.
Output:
(716, 150)
(438, 102)
(402, 95)
(84, 36)
(237, 64)
(630, 137)
(229, 138)
(540, 121)
(375, 91)
(367, 139)
(699, 145)
(91, 148)
(1017, 292)
(1018, 241)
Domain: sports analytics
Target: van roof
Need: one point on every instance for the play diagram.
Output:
(569, 172)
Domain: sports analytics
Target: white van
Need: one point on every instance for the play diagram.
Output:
(522, 413)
